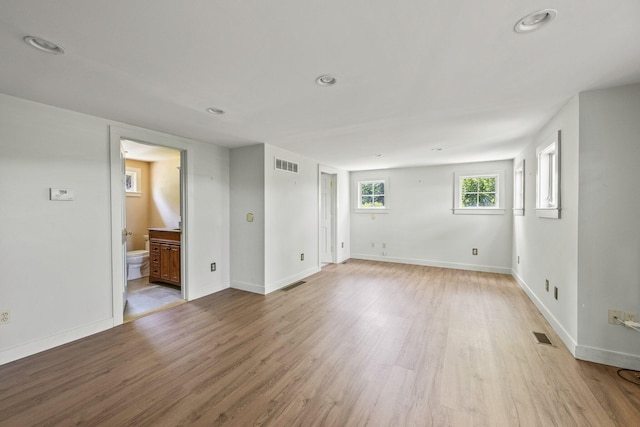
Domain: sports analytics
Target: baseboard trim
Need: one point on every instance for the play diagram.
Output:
(248, 287)
(291, 279)
(566, 338)
(608, 357)
(40, 345)
(430, 263)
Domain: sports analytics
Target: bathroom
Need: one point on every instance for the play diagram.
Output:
(152, 185)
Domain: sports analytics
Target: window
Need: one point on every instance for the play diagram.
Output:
(548, 180)
(478, 193)
(371, 194)
(132, 181)
(518, 189)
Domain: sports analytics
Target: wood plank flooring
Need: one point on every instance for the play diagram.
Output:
(362, 343)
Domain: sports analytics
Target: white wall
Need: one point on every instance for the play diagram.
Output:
(247, 196)
(609, 235)
(548, 248)
(56, 256)
(420, 227)
(292, 219)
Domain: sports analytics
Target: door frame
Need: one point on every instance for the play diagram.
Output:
(334, 200)
(116, 133)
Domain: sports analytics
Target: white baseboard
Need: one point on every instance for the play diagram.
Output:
(429, 263)
(566, 338)
(608, 357)
(37, 346)
(249, 287)
(291, 279)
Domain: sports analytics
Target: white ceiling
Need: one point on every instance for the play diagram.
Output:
(412, 74)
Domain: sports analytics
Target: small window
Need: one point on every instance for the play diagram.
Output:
(371, 194)
(133, 181)
(548, 182)
(478, 193)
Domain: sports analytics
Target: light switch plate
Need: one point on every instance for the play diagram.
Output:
(60, 194)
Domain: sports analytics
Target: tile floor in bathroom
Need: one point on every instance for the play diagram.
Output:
(144, 298)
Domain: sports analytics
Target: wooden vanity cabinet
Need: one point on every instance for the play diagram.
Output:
(164, 256)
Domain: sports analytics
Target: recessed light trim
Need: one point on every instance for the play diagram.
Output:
(43, 45)
(214, 110)
(377, 155)
(535, 20)
(326, 80)
(436, 149)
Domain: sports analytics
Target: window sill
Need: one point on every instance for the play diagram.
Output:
(133, 194)
(372, 211)
(478, 211)
(553, 213)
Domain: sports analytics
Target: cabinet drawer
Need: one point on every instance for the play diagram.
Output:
(154, 248)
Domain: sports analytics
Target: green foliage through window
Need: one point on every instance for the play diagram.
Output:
(371, 194)
(478, 192)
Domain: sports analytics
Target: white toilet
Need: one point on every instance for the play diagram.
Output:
(138, 261)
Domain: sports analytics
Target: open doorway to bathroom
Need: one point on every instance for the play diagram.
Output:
(153, 228)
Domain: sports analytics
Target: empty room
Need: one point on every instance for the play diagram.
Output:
(411, 213)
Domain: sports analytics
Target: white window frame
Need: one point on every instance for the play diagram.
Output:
(136, 181)
(518, 188)
(360, 208)
(548, 179)
(498, 209)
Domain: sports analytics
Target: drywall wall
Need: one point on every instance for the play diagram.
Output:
(420, 227)
(247, 218)
(57, 277)
(291, 218)
(138, 208)
(164, 209)
(548, 248)
(609, 236)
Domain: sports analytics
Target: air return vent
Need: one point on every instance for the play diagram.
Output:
(286, 165)
(542, 338)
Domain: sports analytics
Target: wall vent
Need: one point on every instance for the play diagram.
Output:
(286, 165)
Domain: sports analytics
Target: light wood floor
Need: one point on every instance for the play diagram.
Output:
(364, 343)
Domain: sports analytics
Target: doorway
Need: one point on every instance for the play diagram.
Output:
(172, 214)
(153, 221)
(327, 218)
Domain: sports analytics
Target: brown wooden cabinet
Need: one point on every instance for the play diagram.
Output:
(164, 256)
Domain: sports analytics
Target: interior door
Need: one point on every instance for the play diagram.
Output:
(124, 227)
(326, 218)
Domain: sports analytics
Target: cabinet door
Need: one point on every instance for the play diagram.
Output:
(174, 270)
(165, 262)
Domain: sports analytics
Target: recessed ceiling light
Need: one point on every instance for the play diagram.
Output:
(535, 20)
(326, 80)
(213, 110)
(436, 149)
(43, 45)
(377, 155)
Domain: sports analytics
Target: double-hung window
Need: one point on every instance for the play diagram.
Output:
(372, 194)
(478, 193)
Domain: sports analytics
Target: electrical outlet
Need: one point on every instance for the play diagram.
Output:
(342, 245)
(613, 315)
(630, 316)
(474, 251)
(555, 292)
(213, 266)
(301, 257)
(373, 244)
(5, 317)
(384, 245)
(546, 285)
(518, 259)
